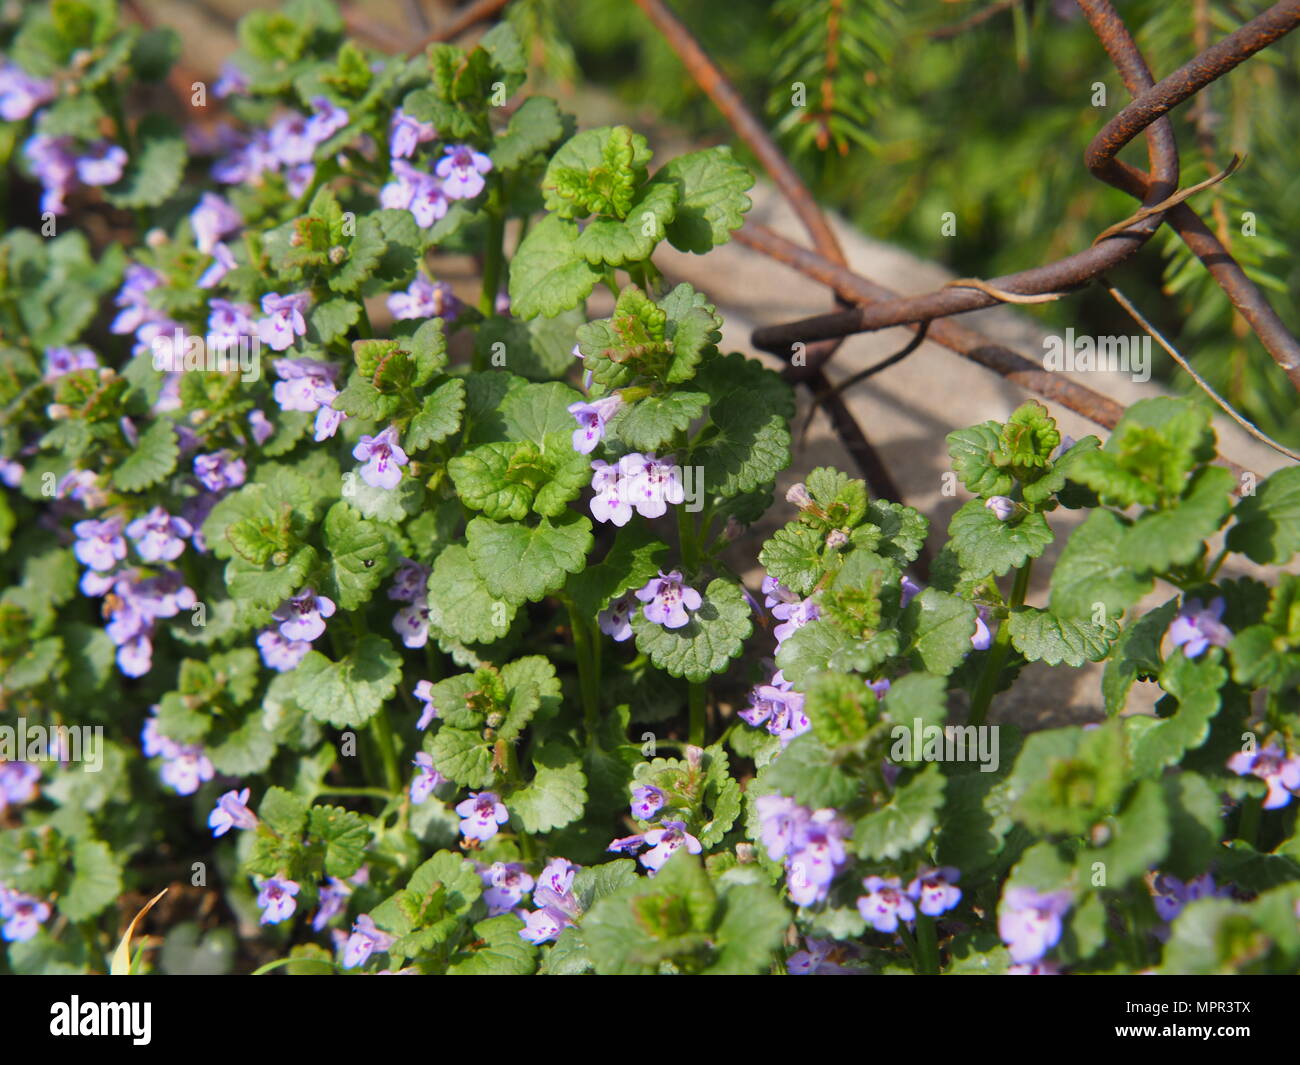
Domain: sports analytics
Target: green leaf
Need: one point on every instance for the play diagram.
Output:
(358, 554)
(840, 708)
(365, 250)
(938, 627)
(547, 274)
(750, 931)
(498, 949)
(1176, 536)
(810, 649)
(711, 187)
(917, 695)
(518, 562)
(653, 423)
(714, 635)
(1158, 742)
(1093, 569)
(556, 795)
(283, 812)
(972, 452)
(153, 459)
(905, 822)
(345, 835)
(96, 881)
(1137, 838)
(460, 605)
(614, 242)
(793, 556)
(1041, 636)
(989, 547)
(806, 771)
(1267, 529)
(537, 124)
(903, 530)
(155, 168)
(439, 417)
(1136, 652)
(751, 411)
(1067, 779)
(350, 692)
(462, 756)
(631, 562)
(332, 319)
(596, 172)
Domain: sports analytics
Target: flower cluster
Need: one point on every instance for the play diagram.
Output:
(1271, 765)
(778, 707)
(1029, 921)
(556, 905)
(458, 175)
(809, 843)
(309, 385)
(22, 914)
(185, 765)
(645, 484)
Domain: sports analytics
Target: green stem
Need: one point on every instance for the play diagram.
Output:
(363, 323)
(699, 722)
(988, 681)
(1248, 826)
(910, 943)
(494, 256)
(928, 944)
(377, 793)
(587, 649)
(383, 733)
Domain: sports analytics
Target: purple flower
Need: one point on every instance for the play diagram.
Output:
(334, 895)
(211, 220)
(667, 599)
(396, 195)
(609, 502)
(664, 841)
(424, 299)
(410, 582)
(102, 164)
(20, 93)
(817, 854)
(303, 616)
(132, 297)
(223, 261)
(405, 134)
(461, 171)
(99, 543)
(1029, 921)
(1197, 627)
(60, 361)
(23, 915)
(290, 140)
(185, 767)
(304, 383)
(425, 780)
(1035, 968)
(326, 120)
(18, 783)
(1003, 507)
(226, 319)
(158, 536)
(481, 814)
(276, 897)
(647, 801)
(364, 940)
(246, 159)
(280, 654)
(794, 617)
(11, 473)
(383, 458)
(908, 590)
(541, 926)
(651, 483)
(424, 693)
(220, 470)
(592, 419)
(616, 619)
(557, 906)
(429, 202)
(54, 166)
(284, 319)
(411, 623)
(1172, 894)
(230, 812)
(779, 707)
(506, 884)
(231, 80)
(260, 426)
(885, 904)
(779, 823)
(822, 957)
(1271, 765)
(982, 638)
(935, 890)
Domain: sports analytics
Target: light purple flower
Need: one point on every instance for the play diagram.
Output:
(303, 616)
(11, 473)
(101, 164)
(544, 925)
(211, 220)
(55, 167)
(220, 470)
(411, 623)
(616, 619)
(982, 639)
(935, 890)
(233, 320)
(664, 841)
(816, 856)
(424, 693)
(823, 957)
(223, 261)
(779, 707)
(230, 81)
(99, 543)
(425, 780)
(328, 419)
(651, 484)
(505, 885)
(260, 426)
(405, 134)
(1172, 894)
(60, 361)
(383, 458)
(1003, 507)
(18, 783)
(609, 503)
(334, 894)
(647, 801)
(481, 814)
(364, 941)
(1034, 968)
(290, 139)
(21, 93)
(908, 590)
(885, 904)
(23, 915)
(667, 599)
(326, 120)
(1029, 921)
(158, 536)
(284, 319)
(276, 897)
(424, 299)
(280, 654)
(793, 616)
(780, 819)
(410, 582)
(592, 419)
(230, 812)
(1197, 627)
(461, 171)
(185, 768)
(1271, 765)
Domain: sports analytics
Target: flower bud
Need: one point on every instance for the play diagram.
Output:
(156, 237)
(1002, 506)
(836, 538)
(798, 495)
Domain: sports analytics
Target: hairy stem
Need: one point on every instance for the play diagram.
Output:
(998, 652)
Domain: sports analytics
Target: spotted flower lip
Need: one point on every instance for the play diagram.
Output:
(22, 914)
(1198, 627)
(102, 164)
(1272, 765)
(1029, 921)
(481, 815)
(426, 778)
(406, 133)
(276, 898)
(284, 320)
(365, 939)
(303, 616)
(383, 458)
(230, 812)
(592, 419)
(667, 600)
(461, 171)
(885, 905)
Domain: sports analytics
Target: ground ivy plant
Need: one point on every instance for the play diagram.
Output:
(416, 628)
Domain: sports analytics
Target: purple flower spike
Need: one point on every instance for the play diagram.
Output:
(364, 941)
(647, 801)
(303, 616)
(667, 599)
(665, 841)
(303, 383)
(284, 319)
(1271, 765)
(425, 780)
(885, 904)
(158, 536)
(592, 419)
(1197, 627)
(616, 619)
(276, 897)
(934, 890)
(461, 171)
(383, 458)
(481, 815)
(230, 812)
(1029, 921)
(99, 543)
(102, 164)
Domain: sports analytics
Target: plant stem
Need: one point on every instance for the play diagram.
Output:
(588, 655)
(910, 943)
(494, 256)
(998, 652)
(377, 793)
(1248, 826)
(928, 944)
(383, 734)
(699, 722)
